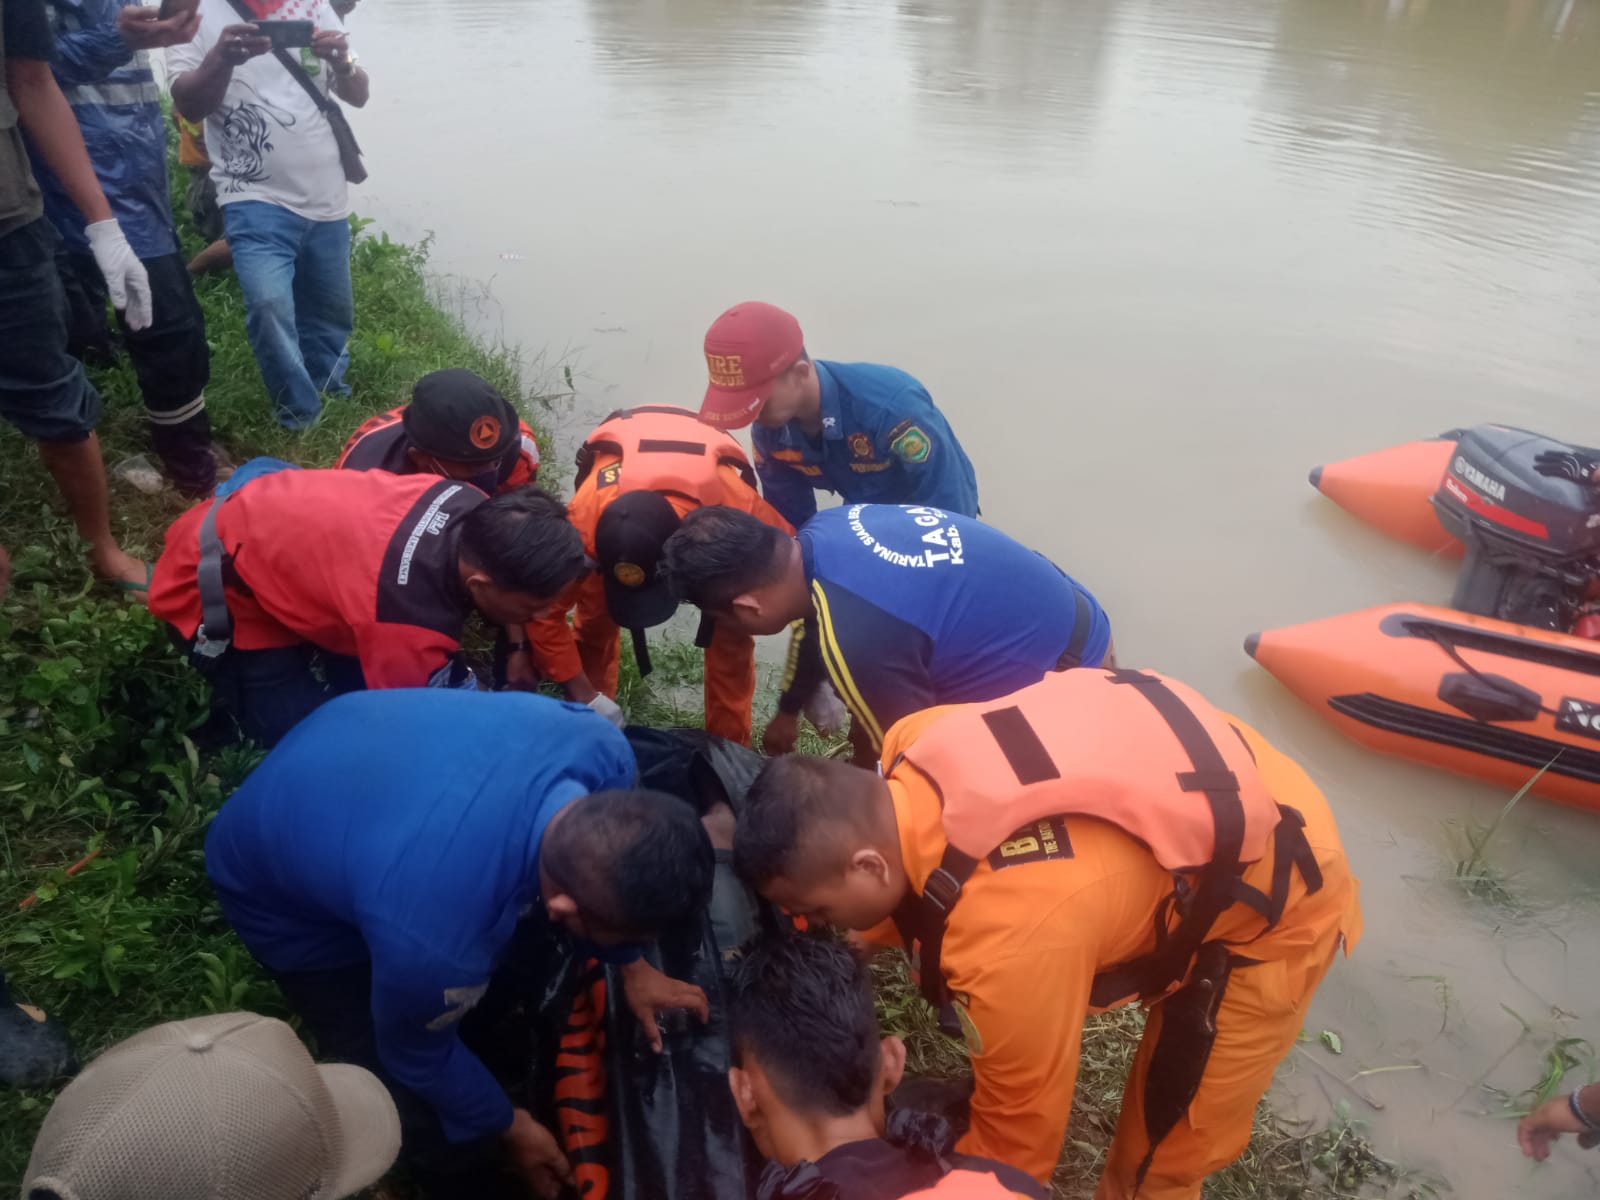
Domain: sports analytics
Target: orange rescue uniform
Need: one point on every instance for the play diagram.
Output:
(1024, 943)
(591, 645)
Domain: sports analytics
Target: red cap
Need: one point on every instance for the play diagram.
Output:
(747, 347)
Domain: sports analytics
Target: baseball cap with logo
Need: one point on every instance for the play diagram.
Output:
(224, 1107)
(747, 347)
(627, 544)
(460, 416)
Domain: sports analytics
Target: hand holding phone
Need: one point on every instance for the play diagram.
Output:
(145, 29)
(238, 44)
(287, 35)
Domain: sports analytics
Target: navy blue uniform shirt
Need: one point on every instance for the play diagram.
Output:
(916, 606)
(883, 442)
(403, 826)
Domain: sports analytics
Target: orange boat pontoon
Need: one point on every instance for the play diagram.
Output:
(1482, 697)
(1392, 490)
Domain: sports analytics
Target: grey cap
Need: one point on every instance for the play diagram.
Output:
(225, 1107)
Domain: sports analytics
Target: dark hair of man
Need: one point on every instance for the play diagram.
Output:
(719, 553)
(635, 862)
(802, 1008)
(802, 819)
(524, 542)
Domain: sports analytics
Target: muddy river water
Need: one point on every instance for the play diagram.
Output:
(1155, 260)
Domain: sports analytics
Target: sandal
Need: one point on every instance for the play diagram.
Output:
(128, 585)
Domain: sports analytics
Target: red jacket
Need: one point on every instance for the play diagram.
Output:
(362, 563)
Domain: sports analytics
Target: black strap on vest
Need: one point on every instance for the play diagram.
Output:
(706, 630)
(216, 623)
(1082, 619)
(1188, 1031)
(641, 652)
(922, 918)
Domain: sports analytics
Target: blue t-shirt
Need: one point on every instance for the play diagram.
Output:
(917, 607)
(403, 826)
(883, 442)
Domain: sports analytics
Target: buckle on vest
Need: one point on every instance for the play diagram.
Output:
(942, 890)
(208, 648)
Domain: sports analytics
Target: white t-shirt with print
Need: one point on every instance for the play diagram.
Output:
(268, 141)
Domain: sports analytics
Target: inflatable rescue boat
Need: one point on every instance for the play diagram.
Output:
(1392, 490)
(1469, 694)
(1496, 686)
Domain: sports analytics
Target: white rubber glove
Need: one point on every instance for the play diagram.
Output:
(126, 279)
(609, 709)
(825, 710)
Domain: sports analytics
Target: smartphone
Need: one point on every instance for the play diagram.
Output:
(171, 8)
(287, 35)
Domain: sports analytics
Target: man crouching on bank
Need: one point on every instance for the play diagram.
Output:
(1097, 838)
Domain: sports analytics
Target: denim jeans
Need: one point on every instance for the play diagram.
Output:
(298, 308)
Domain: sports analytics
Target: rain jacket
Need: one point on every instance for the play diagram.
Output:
(113, 93)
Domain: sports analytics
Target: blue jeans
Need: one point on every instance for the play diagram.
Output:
(298, 308)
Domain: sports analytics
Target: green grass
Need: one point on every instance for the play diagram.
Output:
(96, 706)
(1473, 871)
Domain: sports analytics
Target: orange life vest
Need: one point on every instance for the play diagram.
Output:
(1132, 748)
(664, 449)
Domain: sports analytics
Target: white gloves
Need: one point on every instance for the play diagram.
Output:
(825, 710)
(609, 709)
(125, 274)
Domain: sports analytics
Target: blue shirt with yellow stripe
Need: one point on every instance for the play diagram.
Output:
(916, 606)
(883, 442)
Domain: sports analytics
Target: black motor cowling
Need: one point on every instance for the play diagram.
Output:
(1532, 541)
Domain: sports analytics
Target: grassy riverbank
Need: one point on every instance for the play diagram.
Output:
(95, 706)
(106, 918)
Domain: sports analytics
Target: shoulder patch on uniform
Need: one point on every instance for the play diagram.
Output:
(969, 1028)
(912, 445)
(1039, 841)
(608, 475)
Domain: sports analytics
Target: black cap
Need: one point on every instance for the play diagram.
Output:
(627, 544)
(460, 416)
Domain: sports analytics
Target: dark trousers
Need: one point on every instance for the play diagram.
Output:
(43, 390)
(269, 692)
(336, 1007)
(171, 359)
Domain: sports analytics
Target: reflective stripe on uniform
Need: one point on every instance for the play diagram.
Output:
(177, 416)
(828, 643)
(109, 95)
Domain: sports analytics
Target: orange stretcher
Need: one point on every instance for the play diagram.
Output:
(1392, 490)
(1481, 697)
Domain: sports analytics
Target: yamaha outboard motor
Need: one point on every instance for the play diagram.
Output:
(1532, 541)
